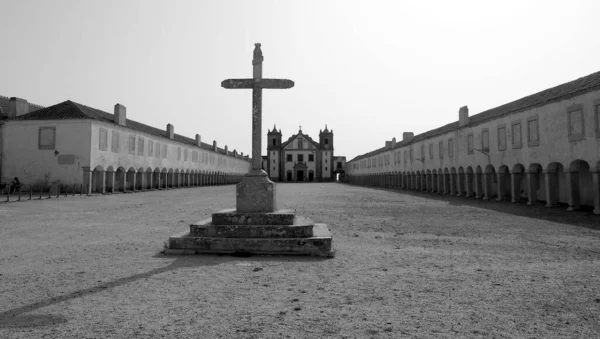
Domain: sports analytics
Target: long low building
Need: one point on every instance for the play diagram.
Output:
(70, 143)
(541, 148)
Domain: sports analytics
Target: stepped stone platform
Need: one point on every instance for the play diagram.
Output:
(280, 232)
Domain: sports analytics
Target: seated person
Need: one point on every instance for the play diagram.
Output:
(15, 184)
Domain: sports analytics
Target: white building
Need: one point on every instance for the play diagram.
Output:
(69, 143)
(544, 147)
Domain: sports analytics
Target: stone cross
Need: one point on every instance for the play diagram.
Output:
(257, 83)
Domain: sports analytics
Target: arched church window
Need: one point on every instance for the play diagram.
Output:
(326, 141)
(274, 142)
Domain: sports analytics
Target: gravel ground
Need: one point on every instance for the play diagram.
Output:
(408, 265)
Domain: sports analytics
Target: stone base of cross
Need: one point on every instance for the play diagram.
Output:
(256, 193)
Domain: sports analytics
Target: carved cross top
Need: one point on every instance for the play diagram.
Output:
(257, 83)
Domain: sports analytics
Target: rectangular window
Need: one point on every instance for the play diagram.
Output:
(46, 137)
(178, 153)
(597, 117)
(288, 157)
(140, 146)
(450, 148)
(164, 151)
(103, 142)
(575, 117)
(517, 141)
(441, 149)
(422, 152)
(502, 138)
(430, 151)
(158, 149)
(300, 143)
(132, 144)
(311, 157)
(533, 131)
(114, 146)
(185, 154)
(470, 143)
(411, 155)
(150, 148)
(485, 140)
(300, 157)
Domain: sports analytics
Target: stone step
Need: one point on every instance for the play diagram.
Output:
(232, 217)
(301, 228)
(320, 244)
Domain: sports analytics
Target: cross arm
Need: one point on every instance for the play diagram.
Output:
(260, 83)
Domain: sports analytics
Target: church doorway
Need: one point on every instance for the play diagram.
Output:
(300, 175)
(311, 176)
(289, 176)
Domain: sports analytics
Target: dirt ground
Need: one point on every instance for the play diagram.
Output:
(408, 265)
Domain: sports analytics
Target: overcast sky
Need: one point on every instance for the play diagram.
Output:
(370, 70)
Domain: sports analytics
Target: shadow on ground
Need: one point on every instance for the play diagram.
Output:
(559, 214)
(15, 318)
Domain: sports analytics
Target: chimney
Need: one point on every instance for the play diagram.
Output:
(226, 150)
(170, 131)
(407, 136)
(215, 148)
(17, 107)
(463, 116)
(198, 140)
(120, 117)
(393, 142)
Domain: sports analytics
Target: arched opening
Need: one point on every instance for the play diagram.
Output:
(170, 178)
(130, 179)
(163, 178)
(470, 182)
(434, 181)
(519, 189)
(120, 175)
(489, 185)
(555, 184)
(149, 183)
(446, 185)
(581, 193)
(139, 178)
(535, 184)
(503, 183)
(98, 180)
(177, 177)
(156, 178)
(418, 181)
(461, 182)
(453, 183)
(478, 183)
(109, 180)
(311, 176)
(429, 181)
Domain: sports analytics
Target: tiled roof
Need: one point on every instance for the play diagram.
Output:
(561, 92)
(69, 110)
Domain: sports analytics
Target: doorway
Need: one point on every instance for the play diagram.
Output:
(289, 176)
(311, 176)
(300, 175)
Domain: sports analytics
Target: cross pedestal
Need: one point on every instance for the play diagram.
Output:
(255, 226)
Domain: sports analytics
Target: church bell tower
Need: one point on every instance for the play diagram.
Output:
(274, 154)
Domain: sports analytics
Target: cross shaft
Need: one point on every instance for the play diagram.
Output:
(257, 83)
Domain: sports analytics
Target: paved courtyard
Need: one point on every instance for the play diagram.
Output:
(407, 265)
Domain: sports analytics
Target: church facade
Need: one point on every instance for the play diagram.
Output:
(543, 148)
(300, 158)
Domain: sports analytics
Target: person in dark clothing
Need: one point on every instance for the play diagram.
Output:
(15, 185)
